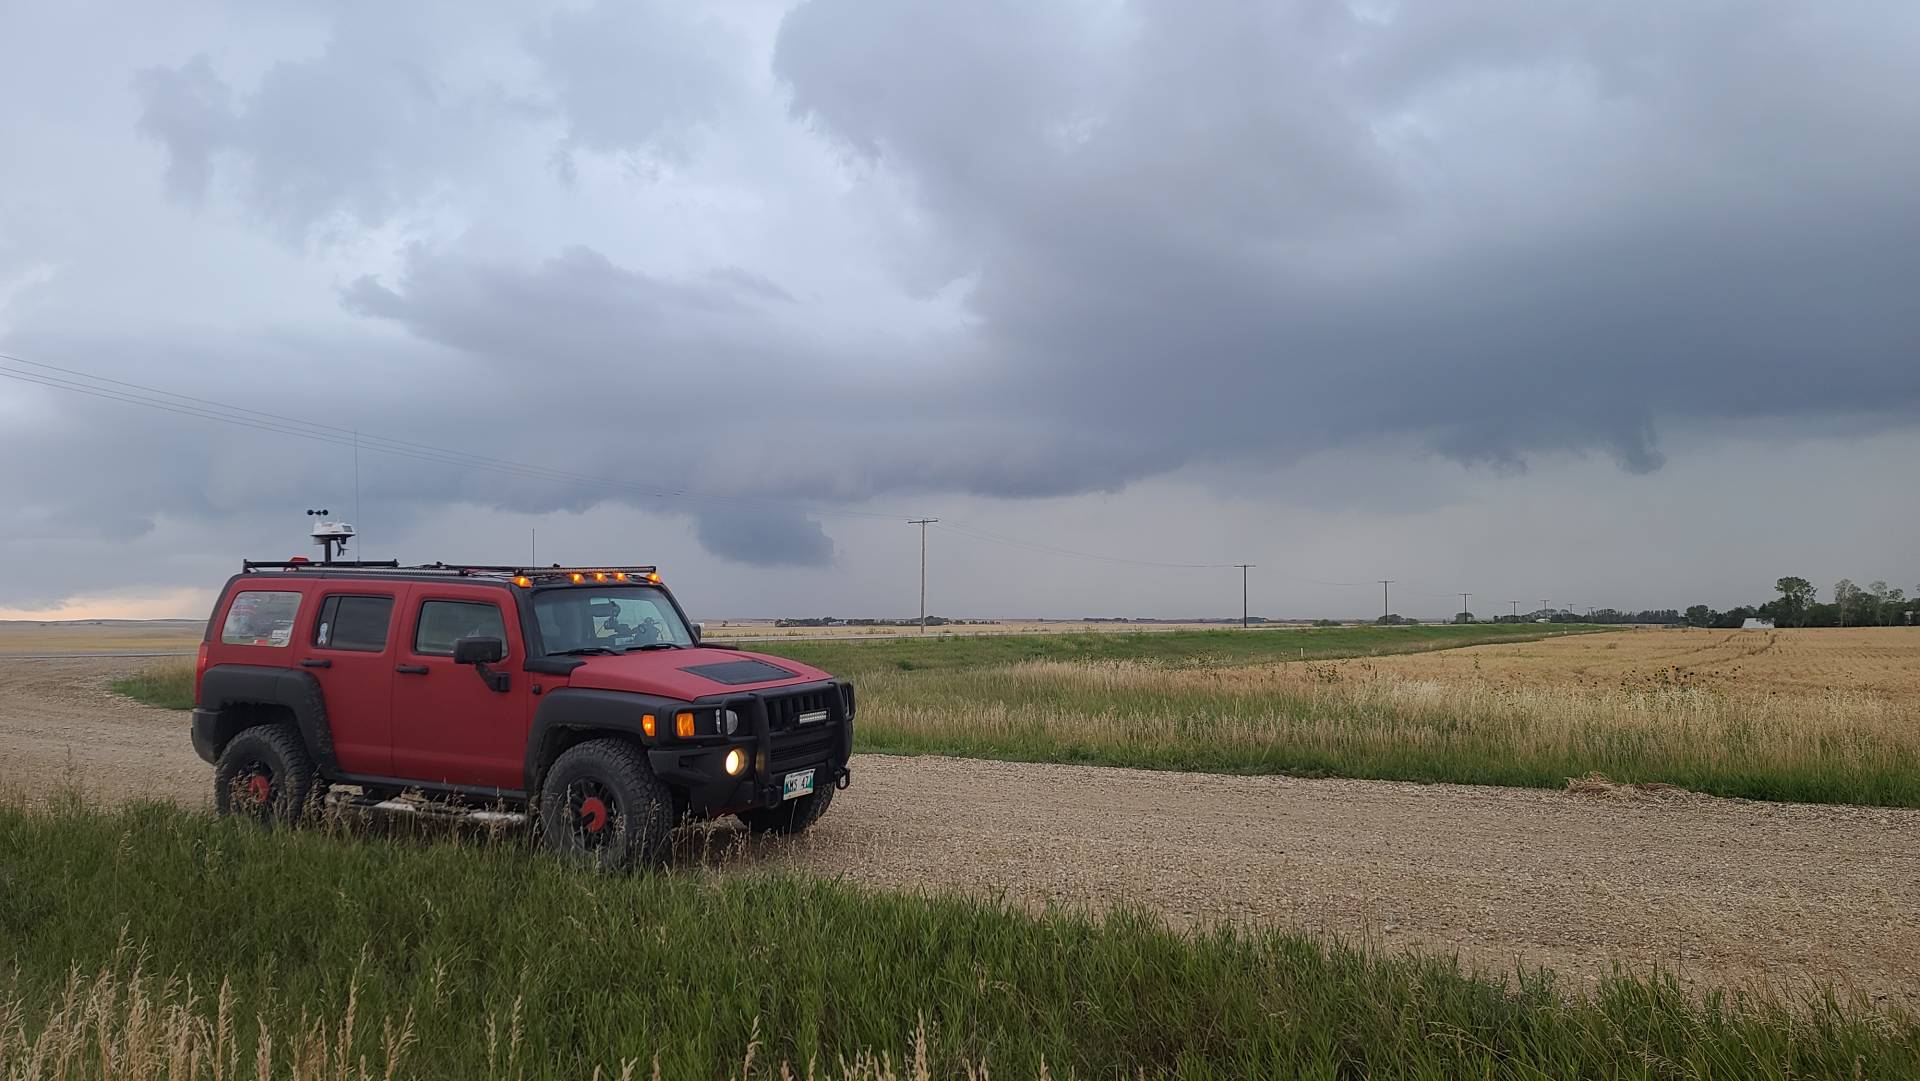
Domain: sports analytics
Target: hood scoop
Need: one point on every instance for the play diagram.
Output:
(735, 673)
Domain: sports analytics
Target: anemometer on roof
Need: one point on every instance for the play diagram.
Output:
(332, 537)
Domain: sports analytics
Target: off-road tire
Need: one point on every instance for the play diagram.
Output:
(264, 774)
(601, 805)
(793, 816)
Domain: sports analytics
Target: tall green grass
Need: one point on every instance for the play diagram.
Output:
(471, 960)
(169, 685)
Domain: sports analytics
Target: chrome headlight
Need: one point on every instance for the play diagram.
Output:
(729, 722)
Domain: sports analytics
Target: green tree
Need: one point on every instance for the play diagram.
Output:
(1700, 615)
(1846, 597)
(1878, 596)
(1796, 596)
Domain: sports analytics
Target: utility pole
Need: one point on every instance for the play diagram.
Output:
(1384, 583)
(923, 523)
(1243, 593)
(1464, 606)
(1544, 608)
(533, 547)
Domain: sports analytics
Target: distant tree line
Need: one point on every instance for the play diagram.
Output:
(1799, 605)
(1597, 615)
(835, 621)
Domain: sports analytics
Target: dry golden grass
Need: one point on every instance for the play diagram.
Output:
(1824, 716)
(1807, 662)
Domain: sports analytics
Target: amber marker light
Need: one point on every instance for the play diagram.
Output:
(649, 725)
(683, 724)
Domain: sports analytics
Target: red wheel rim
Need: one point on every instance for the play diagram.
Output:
(260, 788)
(593, 814)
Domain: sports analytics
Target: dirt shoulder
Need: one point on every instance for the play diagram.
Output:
(1726, 892)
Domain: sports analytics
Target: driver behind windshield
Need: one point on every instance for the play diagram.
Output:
(614, 619)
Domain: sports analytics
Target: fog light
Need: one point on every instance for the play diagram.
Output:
(735, 762)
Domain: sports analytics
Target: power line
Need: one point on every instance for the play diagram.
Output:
(923, 523)
(1049, 549)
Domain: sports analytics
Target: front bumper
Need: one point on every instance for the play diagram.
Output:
(700, 770)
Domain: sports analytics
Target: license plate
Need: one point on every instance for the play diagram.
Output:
(797, 785)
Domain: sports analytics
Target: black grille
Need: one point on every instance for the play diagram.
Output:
(784, 711)
(801, 749)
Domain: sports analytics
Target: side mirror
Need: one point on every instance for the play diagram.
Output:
(479, 651)
(699, 632)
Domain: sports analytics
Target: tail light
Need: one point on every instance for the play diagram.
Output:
(199, 672)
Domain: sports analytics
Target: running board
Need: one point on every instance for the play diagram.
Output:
(431, 810)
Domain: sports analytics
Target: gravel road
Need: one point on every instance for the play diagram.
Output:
(1725, 892)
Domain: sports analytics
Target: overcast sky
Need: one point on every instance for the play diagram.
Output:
(1609, 304)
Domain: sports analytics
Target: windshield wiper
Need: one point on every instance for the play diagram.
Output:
(642, 648)
(583, 651)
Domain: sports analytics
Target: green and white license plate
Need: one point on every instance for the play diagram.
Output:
(797, 785)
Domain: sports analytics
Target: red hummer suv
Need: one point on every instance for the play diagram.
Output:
(582, 694)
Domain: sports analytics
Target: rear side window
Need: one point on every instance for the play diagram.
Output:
(442, 623)
(358, 623)
(260, 618)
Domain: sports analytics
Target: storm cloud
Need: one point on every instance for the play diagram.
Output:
(859, 256)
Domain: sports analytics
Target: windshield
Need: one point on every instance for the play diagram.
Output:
(613, 618)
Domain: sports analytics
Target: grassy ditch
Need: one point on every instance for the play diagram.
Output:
(1341, 721)
(150, 939)
(169, 685)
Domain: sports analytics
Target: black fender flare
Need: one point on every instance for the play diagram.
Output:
(568, 709)
(226, 685)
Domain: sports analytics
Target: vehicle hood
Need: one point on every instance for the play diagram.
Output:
(687, 674)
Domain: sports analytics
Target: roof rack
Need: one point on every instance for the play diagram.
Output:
(452, 569)
(250, 565)
(531, 572)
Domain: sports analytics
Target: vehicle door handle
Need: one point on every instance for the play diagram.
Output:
(316, 662)
(411, 669)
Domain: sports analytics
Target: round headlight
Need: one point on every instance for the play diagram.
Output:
(730, 722)
(735, 762)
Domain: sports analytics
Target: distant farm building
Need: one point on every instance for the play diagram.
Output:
(1752, 624)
